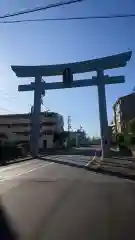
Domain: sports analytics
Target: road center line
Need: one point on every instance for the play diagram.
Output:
(25, 172)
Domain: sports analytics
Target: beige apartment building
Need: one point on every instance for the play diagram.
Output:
(123, 112)
(17, 128)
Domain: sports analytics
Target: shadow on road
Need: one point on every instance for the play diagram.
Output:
(97, 170)
(7, 231)
(72, 151)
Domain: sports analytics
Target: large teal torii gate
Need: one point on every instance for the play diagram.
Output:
(67, 70)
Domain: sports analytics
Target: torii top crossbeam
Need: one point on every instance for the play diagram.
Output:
(110, 62)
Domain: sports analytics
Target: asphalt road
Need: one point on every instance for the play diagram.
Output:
(50, 201)
(77, 159)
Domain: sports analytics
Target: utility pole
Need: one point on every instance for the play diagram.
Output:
(69, 129)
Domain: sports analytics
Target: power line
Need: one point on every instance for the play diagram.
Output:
(26, 11)
(7, 110)
(30, 105)
(71, 18)
(42, 103)
(46, 107)
(8, 95)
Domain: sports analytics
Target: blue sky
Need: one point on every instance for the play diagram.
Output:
(62, 42)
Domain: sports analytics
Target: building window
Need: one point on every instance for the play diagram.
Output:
(50, 114)
(26, 134)
(47, 132)
(14, 125)
(20, 124)
(48, 123)
(4, 125)
(22, 133)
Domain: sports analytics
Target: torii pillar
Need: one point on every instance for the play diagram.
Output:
(105, 140)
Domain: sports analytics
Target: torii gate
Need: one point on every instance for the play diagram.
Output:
(67, 70)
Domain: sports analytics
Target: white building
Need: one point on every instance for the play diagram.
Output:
(17, 127)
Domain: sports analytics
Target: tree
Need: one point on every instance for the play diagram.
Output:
(132, 126)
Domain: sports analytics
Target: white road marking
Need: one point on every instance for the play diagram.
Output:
(25, 172)
(14, 167)
(90, 161)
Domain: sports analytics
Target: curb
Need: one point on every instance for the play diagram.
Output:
(16, 161)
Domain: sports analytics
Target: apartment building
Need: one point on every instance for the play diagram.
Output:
(17, 128)
(123, 112)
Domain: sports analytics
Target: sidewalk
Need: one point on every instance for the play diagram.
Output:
(124, 166)
(17, 160)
